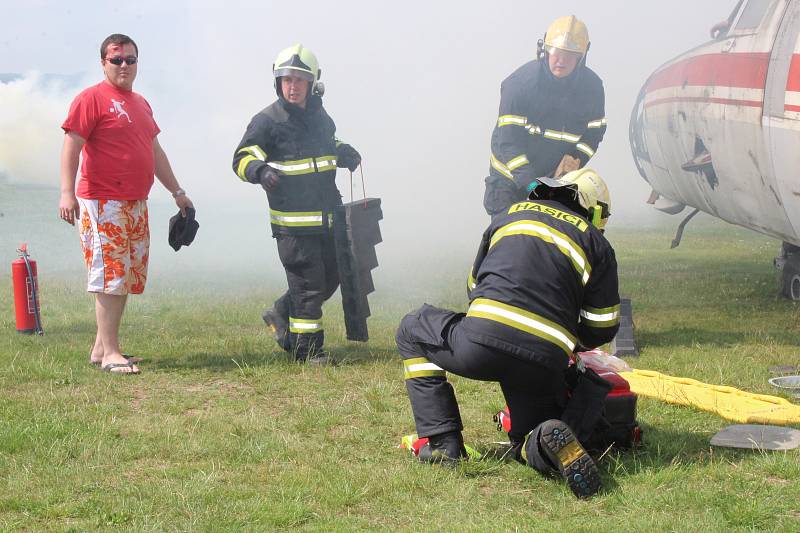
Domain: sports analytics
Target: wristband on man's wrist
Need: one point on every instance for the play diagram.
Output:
(178, 192)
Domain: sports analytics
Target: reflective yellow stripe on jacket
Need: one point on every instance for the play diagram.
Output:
(533, 129)
(561, 136)
(585, 148)
(327, 162)
(513, 164)
(550, 235)
(600, 318)
(500, 167)
(522, 320)
(295, 218)
(305, 166)
(517, 162)
(256, 154)
(292, 168)
(512, 120)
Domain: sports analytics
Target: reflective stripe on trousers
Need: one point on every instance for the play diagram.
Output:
(304, 325)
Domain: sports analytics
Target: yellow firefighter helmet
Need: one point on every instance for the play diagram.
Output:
(567, 33)
(298, 61)
(590, 193)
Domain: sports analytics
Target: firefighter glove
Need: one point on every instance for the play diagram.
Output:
(568, 164)
(269, 178)
(347, 157)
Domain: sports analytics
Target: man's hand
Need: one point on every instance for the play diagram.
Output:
(68, 207)
(269, 178)
(183, 202)
(347, 157)
(567, 164)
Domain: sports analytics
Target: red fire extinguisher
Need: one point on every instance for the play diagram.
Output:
(26, 293)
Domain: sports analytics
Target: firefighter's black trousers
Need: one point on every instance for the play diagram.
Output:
(312, 275)
(432, 341)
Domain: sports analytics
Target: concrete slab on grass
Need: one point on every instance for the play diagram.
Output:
(757, 437)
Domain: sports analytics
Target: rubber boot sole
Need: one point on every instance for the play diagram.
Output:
(577, 467)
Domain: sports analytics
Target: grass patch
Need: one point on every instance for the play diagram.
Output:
(221, 432)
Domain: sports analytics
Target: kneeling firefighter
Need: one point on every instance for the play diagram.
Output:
(290, 149)
(544, 281)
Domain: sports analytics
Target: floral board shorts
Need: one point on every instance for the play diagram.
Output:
(115, 237)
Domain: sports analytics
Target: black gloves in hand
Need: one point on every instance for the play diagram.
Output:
(347, 157)
(269, 178)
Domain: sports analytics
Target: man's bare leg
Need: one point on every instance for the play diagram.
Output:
(108, 311)
(96, 356)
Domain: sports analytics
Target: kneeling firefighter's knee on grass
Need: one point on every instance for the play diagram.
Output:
(432, 397)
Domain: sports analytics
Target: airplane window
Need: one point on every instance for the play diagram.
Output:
(752, 14)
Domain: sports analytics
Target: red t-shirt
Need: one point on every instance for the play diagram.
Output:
(118, 155)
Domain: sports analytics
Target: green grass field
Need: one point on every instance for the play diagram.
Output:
(221, 433)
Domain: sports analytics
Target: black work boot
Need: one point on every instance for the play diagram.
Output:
(320, 358)
(278, 326)
(557, 444)
(307, 352)
(446, 448)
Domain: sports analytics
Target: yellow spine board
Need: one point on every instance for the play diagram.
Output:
(728, 402)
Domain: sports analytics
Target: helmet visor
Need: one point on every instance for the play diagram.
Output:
(555, 183)
(540, 185)
(295, 72)
(565, 52)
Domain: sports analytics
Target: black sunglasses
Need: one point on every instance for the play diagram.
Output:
(130, 60)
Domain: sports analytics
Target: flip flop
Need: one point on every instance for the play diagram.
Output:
(130, 358)
(111, 366)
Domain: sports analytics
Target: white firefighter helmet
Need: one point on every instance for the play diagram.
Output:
(567, 33)
(298, 61)
(590, 193)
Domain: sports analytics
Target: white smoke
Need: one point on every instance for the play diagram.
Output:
(415, 89)
(32, 108)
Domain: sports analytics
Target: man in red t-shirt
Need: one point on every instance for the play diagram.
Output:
(114, 129)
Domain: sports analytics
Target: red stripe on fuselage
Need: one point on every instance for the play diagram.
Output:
(793, 83)
(705, 100)
(743, 70)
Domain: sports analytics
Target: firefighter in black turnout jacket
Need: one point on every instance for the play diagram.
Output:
(544, 281)
(551, 119)
(290, 149)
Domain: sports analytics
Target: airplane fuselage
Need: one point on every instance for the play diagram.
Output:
(718, 128)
